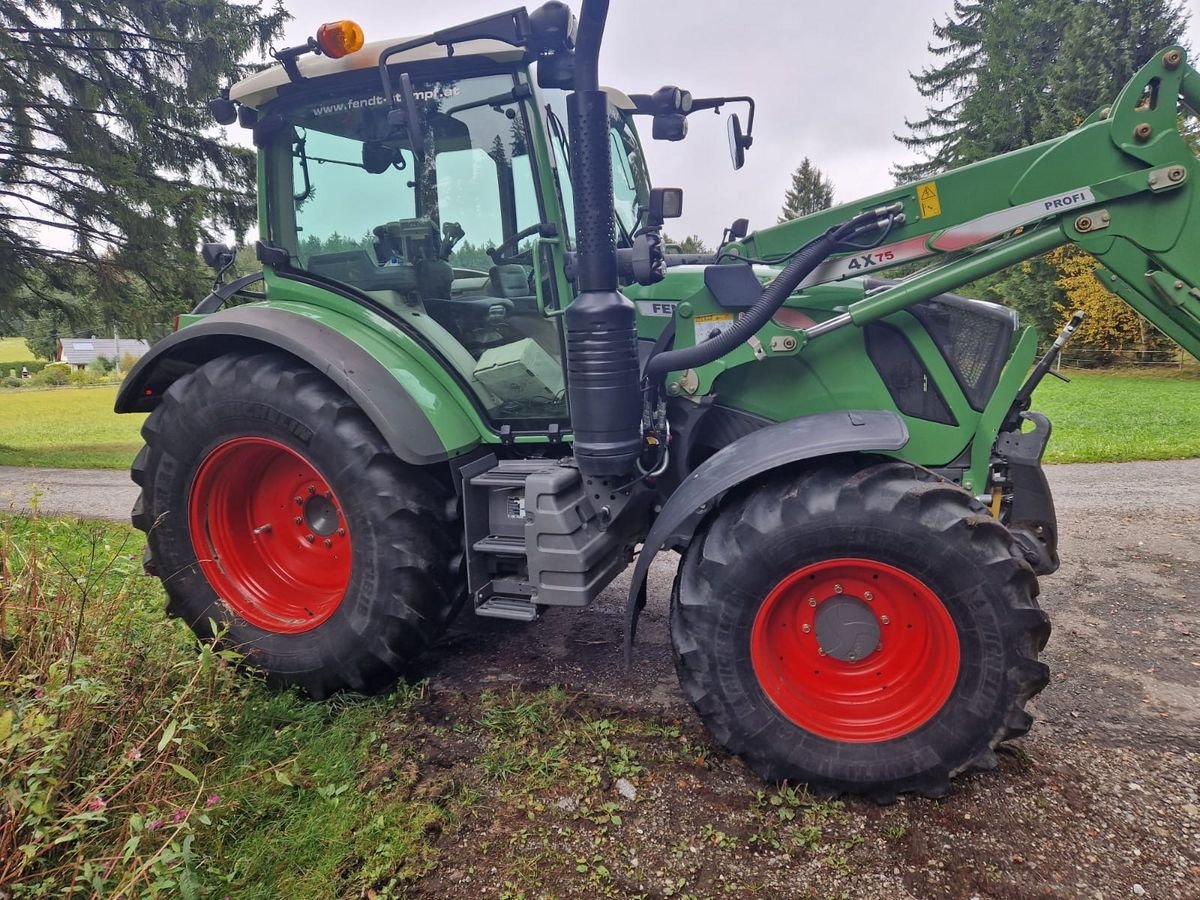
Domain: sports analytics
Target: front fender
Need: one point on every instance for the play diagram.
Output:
(808, 437)
(417, 416)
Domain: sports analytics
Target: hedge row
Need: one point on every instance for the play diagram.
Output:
(32, 365)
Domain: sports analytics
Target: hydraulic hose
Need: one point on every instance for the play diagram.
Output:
(773, 297)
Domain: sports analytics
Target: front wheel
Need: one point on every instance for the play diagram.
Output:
(862, 627)
(275, 511)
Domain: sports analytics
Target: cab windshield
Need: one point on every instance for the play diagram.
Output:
(443, 238)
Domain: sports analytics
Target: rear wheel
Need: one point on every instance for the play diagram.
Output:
(862, 627)
(274, 510)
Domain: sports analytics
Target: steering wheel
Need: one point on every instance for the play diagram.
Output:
(512, 242)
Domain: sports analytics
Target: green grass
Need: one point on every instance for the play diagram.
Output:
(73, 428)
(1099, 417)
(1117, 417)
(133, 765)
(14, 349)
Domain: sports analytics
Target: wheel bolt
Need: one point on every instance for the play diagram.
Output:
(812, 601)
(867, 595)
(299, 501)
(328, 542)
(310, 538)
(311, 489)
(838, 589)
(341, 532)
(299, 520)
(885, 620)
(821, 651)
(805, 628)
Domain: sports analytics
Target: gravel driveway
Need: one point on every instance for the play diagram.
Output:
(1099, 801)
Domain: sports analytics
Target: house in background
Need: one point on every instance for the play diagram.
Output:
(80, 352)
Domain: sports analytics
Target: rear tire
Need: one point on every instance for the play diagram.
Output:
(355, 566)
(806, 598)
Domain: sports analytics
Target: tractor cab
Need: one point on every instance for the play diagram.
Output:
(458, 223)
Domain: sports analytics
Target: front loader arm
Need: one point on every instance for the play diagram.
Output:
(1122, 187)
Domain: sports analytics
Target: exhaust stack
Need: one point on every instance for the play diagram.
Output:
(602, 354)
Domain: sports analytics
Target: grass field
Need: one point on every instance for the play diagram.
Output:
(1099, 417)
(71, 428)
(14, 350)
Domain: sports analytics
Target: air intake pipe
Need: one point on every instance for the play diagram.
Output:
(602, 353)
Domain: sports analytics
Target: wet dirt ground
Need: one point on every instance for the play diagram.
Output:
(1100, 800)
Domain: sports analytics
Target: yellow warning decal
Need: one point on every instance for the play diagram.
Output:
(927, 196)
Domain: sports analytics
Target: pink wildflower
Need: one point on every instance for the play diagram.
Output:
(97, 803)
(213, 800)
(179, 816)
(154, 824)
(135, 753)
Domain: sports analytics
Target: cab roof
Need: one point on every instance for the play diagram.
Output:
(262, 87)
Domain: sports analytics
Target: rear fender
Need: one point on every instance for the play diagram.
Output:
(418, 417)
(808, 437)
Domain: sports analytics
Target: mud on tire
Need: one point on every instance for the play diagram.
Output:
(890, 517)
(404, 580)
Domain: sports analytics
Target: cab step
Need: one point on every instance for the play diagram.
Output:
(501, 545)
(516, 609)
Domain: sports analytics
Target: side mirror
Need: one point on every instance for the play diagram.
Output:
(217, 256)
(738, 142)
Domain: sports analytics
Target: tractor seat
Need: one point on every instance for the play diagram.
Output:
(470, 311)
(512, 283)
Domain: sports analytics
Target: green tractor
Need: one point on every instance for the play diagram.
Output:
(473, 372)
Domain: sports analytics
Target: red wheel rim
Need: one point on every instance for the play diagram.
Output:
(270, 535)
(893, 657)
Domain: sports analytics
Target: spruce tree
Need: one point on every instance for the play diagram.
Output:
(111, 170)
(810, 192)
(1014, 72)
(1010, 73)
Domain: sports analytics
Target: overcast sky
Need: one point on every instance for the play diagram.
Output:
(831, 81)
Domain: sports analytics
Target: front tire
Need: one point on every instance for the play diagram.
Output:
(863, 627)
(274, 510)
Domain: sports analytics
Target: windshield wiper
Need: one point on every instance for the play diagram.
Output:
(508, 98)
